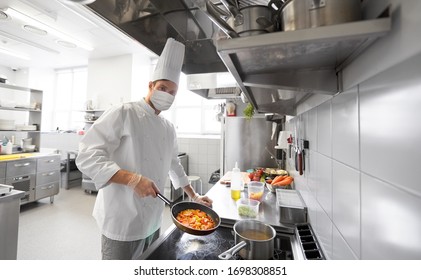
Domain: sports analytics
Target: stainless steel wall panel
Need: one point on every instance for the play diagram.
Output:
(311, 172)
(346, 204)
(390, 130)
(389, 197)
(390, 221)
(345, 130)
(324, 185)
(340, 249)
(311, 128)
(324, 231)
(247, 141)
(324, 129)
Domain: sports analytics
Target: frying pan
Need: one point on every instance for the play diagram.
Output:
(180, 206)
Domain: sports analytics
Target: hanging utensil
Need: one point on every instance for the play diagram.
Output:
(215, 14)
(235, 12)
(300, 149)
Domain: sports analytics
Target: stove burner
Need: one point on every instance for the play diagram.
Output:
(183, 246)
(278, 254)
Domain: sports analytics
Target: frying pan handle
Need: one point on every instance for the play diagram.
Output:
(230, 252)
(164, 199)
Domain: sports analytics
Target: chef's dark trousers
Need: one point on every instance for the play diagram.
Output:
(125, 250)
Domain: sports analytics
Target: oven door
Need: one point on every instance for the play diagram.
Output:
(24, 183)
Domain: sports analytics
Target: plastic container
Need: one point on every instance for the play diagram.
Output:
(236, 183)
(7, 149)
(248, 207)
(256, 190)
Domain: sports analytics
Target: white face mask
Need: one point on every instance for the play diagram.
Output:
(161, 100)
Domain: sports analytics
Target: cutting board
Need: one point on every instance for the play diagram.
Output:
(15, 156)
(226, 179)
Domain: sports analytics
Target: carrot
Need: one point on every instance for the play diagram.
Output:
(278, 179)
(284, 182)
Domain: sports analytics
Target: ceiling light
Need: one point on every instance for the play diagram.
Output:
(35, 30)
(14, 54)
(66, 44)
(60, 35)
(84, 2)
(3, 16)
(24, 41)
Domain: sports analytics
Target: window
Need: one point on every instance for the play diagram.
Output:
(193, 114)
(69, 99)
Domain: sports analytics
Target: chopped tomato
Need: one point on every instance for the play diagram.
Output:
(195, 219)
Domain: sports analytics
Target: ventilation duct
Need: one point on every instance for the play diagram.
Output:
(218, 85)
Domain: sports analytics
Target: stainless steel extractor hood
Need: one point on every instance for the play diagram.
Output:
(151, 22)
(214, 85)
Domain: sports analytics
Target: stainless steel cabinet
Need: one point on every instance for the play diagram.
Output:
(48, 177)
(38, 177)
(21, 175)
(20, 167)
(9, 221)
(48, 163)
(2, 173)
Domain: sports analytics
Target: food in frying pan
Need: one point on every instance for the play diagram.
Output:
(195, 219)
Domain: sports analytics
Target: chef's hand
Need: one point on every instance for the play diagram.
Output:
(143, 186)
(202, 200)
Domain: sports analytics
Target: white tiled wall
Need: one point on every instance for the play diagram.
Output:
(204, 157)
(361, 182)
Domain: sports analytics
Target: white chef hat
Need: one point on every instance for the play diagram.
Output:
(170, 62)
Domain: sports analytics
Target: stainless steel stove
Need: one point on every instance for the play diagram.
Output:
(178, 245)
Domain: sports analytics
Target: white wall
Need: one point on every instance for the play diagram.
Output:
(361, 180)
(44, 79)
(114, 80)
(141, 74)
(204, 157)
(109, 81)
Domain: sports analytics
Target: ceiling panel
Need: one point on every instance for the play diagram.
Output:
(74, 22)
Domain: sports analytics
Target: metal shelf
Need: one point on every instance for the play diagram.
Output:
(281, 69)
(22, 109)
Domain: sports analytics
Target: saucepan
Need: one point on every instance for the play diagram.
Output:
(302, 14)
(180, 206)
(254, 240)
(246, 21)
(257, 20)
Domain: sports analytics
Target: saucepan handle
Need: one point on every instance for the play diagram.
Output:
(230, 252)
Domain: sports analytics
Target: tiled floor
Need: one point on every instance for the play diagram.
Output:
(63, 230)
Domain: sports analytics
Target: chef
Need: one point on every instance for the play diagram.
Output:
(129, 152)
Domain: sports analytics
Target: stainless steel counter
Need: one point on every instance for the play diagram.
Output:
(177, 243)
(9, 221)
(226, 207)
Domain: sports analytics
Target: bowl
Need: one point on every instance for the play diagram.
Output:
(273, 188)
(248, 207)
(256, 190)
(28, 148)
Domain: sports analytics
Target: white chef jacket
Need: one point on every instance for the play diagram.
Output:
(131, 137)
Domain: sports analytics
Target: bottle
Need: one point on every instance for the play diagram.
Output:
(236, 182)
